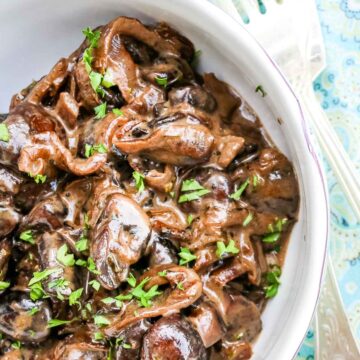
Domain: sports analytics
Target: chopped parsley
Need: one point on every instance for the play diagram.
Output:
(4, 285)
(36, 292)
(82, 244)
(27, 236)
(95, 285)
(272, 282)
(4, 133)
(260, 90)
(16, 344)
(81, 262)
(118, 112)
(100, 111)
(90, 150)
(162, 273)
(180, 286)
(98, 336)
(100, 320)
(193, 191)
(95, 81)
(162, 80)
(75, 296)
(57, 322)
(190, 219)
(274, 231)
(39, 179)
(248, 219)
(33, 311)
(39, 276)
(63, 257)
(111, 300)
(186, 256)
(91, 266)
(92, 36)
(255, 181)
(223, 249)
(237, 194)
(139, 181)
(107, 80)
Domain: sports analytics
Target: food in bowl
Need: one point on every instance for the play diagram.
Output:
(144, 211)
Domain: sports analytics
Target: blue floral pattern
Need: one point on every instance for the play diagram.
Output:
(338, 90)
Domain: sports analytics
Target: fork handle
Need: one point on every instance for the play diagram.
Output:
(335, 153)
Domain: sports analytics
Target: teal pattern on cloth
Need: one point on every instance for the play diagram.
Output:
(338, 90)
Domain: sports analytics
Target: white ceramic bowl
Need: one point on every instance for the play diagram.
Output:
(35, 33)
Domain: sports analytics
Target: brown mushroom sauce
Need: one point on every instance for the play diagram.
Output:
(143, 213)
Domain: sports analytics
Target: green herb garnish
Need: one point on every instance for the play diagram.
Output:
(118, 112)
(100, 111)
(33, 311)
(39, 179)
(186, 256)
(139, 181)
(223, 249)
(4, 133)
(260, 90)
(82, 244)
(90, 150)
(4, 285)
(27, 236)
(63, 257)
(57, 322)
(42, 275)
(248, 219)
(75, 296)
(196, 191)
(100, 320)
(95, 285)
(180, 286)
(162, 273)
(273, 282)
(237, 194)
(16, 344)
(162, 80)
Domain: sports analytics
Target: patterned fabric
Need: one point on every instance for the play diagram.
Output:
(338, 90)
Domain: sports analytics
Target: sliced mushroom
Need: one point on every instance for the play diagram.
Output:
(9, 218)
(175, 143)
(16, 321)
(172, 338)
(5, 253)
(205, 321)
(118, 239)
(171, 301)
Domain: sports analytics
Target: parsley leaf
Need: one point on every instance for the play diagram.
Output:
(162, 273)
(57, 322)
(195, 195)
(255, 181)
(27, 236)
(4, 285)
(36, 292)
(190, 219)
(95, 285)
(81, 262)
(91, 266)
(107, 80)
(63, 257)
(180, 286)
(95, 81)
(118, 112)
(98, 336)
(186, 256)
(162, 80)
(273, 282)
(33, 311)
(139, 181)
(271, 238)
(39, 179)
(90, 150)
(41, 275)
(196, 191)
(237, 194)
(260, 90)
(75, 296)
(82, 244)
(100, 110)
(16, 344)
(131, 280)
(87, 59)
(190, 185)
(101, 320)
(4, 133)
(111, 300)
(248, 219)
(223, 249)
(274, 231)
(92, 36)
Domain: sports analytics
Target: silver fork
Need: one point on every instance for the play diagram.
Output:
(290, 32)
